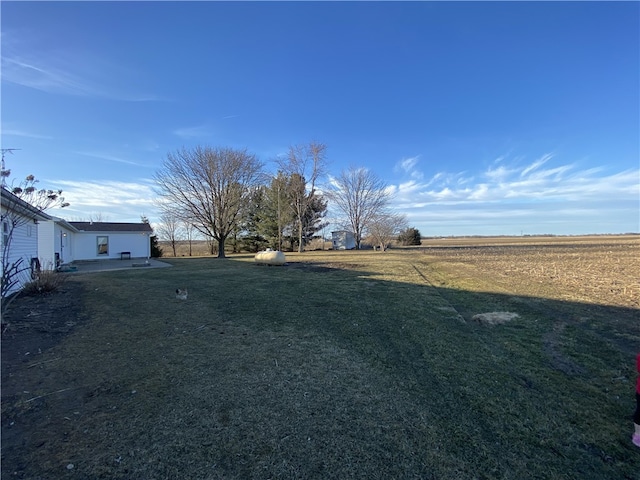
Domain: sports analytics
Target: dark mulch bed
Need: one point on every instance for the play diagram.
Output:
(32, 327)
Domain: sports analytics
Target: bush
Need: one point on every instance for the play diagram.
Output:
(156, 251)
(45, 281)
(410, 236)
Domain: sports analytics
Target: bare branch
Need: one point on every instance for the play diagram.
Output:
(359, 195)
(304, 166)
(386, 226)
(209, 186)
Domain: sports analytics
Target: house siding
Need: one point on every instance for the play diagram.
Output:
(343, 240)
(24, 242)
(46, 244)
(53, 239)
(24, 245)
(137, 243)
(23, 237)
(64, 241)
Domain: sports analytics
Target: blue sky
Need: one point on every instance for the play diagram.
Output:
(484, 118)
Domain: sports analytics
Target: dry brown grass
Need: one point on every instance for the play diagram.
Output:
(338, 365)
(595, 269)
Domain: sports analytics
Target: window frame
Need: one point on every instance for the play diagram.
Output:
(99, 243)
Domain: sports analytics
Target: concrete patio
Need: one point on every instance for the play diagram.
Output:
(92, 266)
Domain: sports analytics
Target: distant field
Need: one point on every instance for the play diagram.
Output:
(595, 269)
(530, 240)
(356, 364)
(201, 248)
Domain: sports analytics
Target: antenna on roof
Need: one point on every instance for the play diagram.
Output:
(4, 172)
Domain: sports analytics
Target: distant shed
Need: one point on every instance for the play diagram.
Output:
(343, 240)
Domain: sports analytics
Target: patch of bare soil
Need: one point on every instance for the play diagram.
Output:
(32, 327)
(494, 318)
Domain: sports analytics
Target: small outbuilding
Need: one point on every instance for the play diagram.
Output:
(343, 240)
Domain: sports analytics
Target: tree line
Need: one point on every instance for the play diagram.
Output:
(225, 195)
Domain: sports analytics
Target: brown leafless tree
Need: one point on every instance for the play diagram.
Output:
(188, 229)
(170, 228)
(359, 195)
(209, 186)
(386, 226)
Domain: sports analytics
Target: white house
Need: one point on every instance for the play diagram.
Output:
(343, 240)
(55, 243)
(64, 242)
(20, 225)
(32, 239)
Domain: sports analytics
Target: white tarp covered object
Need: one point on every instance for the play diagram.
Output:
(270, 257)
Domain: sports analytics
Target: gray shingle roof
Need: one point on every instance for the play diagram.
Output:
(111, 227)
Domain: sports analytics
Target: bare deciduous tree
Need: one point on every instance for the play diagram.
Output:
(188, 229)
(386, 226)
(210, 186)
(98, 217)
(170, 228)
(304, 165)
(359, 195)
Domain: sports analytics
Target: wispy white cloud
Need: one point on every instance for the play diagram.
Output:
(537, 193)
(408, 166)
(196, 131)
(528, 182)
(23, 133)
(111, 158)
(118, 201)
(67, 72)
(499, 174)
(35, 74)
(537, 164)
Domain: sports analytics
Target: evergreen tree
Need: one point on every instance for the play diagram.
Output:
(156, 251)
(410, 236)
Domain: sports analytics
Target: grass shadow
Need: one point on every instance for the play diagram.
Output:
(325, 368)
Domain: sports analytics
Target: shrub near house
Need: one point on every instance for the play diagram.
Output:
(19, 240)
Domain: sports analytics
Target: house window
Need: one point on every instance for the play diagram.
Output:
(103, 246)
(29, 230)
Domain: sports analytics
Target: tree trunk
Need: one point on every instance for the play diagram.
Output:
(221, 247)
(300, 237)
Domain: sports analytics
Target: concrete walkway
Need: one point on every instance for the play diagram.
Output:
(92, 266)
